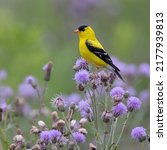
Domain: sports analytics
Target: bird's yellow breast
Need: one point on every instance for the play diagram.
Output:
(89, 56)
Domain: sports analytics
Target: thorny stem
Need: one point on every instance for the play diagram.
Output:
(123, 127)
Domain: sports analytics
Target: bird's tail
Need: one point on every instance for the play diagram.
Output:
(114, 69)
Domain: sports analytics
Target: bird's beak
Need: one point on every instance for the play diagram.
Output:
(76, 31)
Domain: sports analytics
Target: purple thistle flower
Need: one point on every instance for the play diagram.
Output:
(131, 90)
(81, 77)
(27, 91)
(83, 106)
(139, 133)
(5, 92)
(54, 135)
(144, 95)
(3, 75)
(81, 64)
(117, 94)
(144, 69)
(62, 141)
(31, 80)
(45, 136)
(72, 99)
(3, 105)
(58, 102)
(119, 109)
(85, 110)
(78, 137)
(133, 103)
(131, 70)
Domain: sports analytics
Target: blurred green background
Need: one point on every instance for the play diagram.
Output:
(32, 32)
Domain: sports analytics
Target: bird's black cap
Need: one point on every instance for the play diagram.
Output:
(82, 28)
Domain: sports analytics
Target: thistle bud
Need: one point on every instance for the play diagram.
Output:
(107, 116)
(12, 146)
(92, 146)
(18, 138)
(54, 116)
(48, 68)
(126, 94)
(36, 147)
(41, 124)
(80, 87)
(83, 121)
(60, 124)
(34, 130)
(83, 131)
(58, 102)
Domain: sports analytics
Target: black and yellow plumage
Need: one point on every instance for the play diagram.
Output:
(91, 50)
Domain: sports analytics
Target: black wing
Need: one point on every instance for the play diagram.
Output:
(101, 54)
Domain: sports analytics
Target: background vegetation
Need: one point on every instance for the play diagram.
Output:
(32, 32)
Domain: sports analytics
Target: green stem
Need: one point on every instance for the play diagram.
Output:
(111, 134)
(44, 91)
(123, 127)
(40, 99)
(105, 136)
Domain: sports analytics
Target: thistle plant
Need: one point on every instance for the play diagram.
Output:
(97, 114)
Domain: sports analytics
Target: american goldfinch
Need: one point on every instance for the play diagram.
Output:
(91, 50)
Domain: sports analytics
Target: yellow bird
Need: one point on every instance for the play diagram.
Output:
(91, 50)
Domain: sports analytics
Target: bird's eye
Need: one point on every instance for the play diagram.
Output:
(82, 28)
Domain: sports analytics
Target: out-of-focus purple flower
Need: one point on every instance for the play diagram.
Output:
(31, 80)
(85, 110)
(119, 83)
(72, 99)
(119, 109)
(131, 70)
(83, 106)
(139, 133)
(26, 90)
(5, 92)
(45, 136)
(62, 140)
(75, 125)
(78, 137)
(26, 110)
(144, 69)
(81, 64)
(133, 103)
(80, 8)
(131, 90)
(121, 65)
(144, 95)
(3, 105)
(117, 94)
(3, 75)
(81, 77)
(54, 135)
